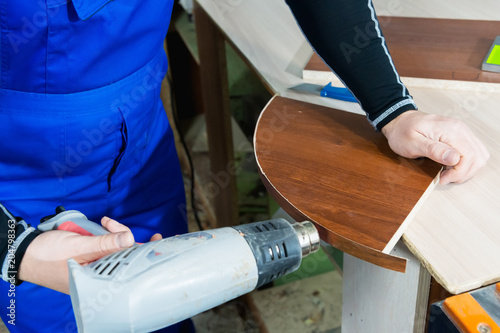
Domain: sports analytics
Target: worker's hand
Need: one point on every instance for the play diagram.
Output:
(445, 140)
(45, 260)
(115, 226)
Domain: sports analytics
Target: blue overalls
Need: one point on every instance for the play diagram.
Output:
(82, 125)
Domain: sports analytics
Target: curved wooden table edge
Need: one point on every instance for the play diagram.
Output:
(344, 244)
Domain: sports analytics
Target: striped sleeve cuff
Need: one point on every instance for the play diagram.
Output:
(16, 237)
(392, 112)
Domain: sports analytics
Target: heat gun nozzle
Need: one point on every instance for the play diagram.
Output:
(308, 237)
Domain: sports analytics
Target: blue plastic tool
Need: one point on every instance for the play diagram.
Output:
(329, 91)
(337, 93)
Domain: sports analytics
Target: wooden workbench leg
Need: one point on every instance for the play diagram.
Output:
(380, 300)
(215, 91)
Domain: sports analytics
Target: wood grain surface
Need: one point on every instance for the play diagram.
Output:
(441, 49)
(456, 232)
(331, 167)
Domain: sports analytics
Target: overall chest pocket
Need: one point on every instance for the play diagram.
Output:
(85, 39)
(94, 43)
(86, 8)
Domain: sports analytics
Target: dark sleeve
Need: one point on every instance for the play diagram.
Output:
(15, 236)
(347, 36)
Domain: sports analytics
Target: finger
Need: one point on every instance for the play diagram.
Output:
(439, 152)
(113, 225)
(93, 248)
(156, 237)
(469, 164)
(447, 176)
(460, 173)
(464, 170)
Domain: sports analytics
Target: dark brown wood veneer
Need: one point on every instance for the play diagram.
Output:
(332, 168)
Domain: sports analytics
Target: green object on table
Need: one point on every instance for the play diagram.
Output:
(494, 57)
(492, 61)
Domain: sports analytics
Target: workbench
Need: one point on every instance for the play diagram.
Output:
(375, 299)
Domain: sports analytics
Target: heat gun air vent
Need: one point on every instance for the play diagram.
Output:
(127, 253)
(108, 265)
(277, 252)
(265, 227)
(106, 268)
(277, 275)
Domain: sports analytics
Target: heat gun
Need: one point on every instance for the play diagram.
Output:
(157, 284)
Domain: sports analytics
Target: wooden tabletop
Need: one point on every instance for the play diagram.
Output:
(331, 167)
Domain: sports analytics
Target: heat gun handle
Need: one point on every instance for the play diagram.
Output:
(74, 221)
(83, 227)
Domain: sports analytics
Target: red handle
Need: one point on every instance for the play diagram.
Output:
(73, 227)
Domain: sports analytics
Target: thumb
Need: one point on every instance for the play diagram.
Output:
(96, 247)
(450, 157)
(441, 153)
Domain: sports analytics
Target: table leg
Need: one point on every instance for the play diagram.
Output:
(380, 300)
(215, 91)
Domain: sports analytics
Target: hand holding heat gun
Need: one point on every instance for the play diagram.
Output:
(157, 284)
